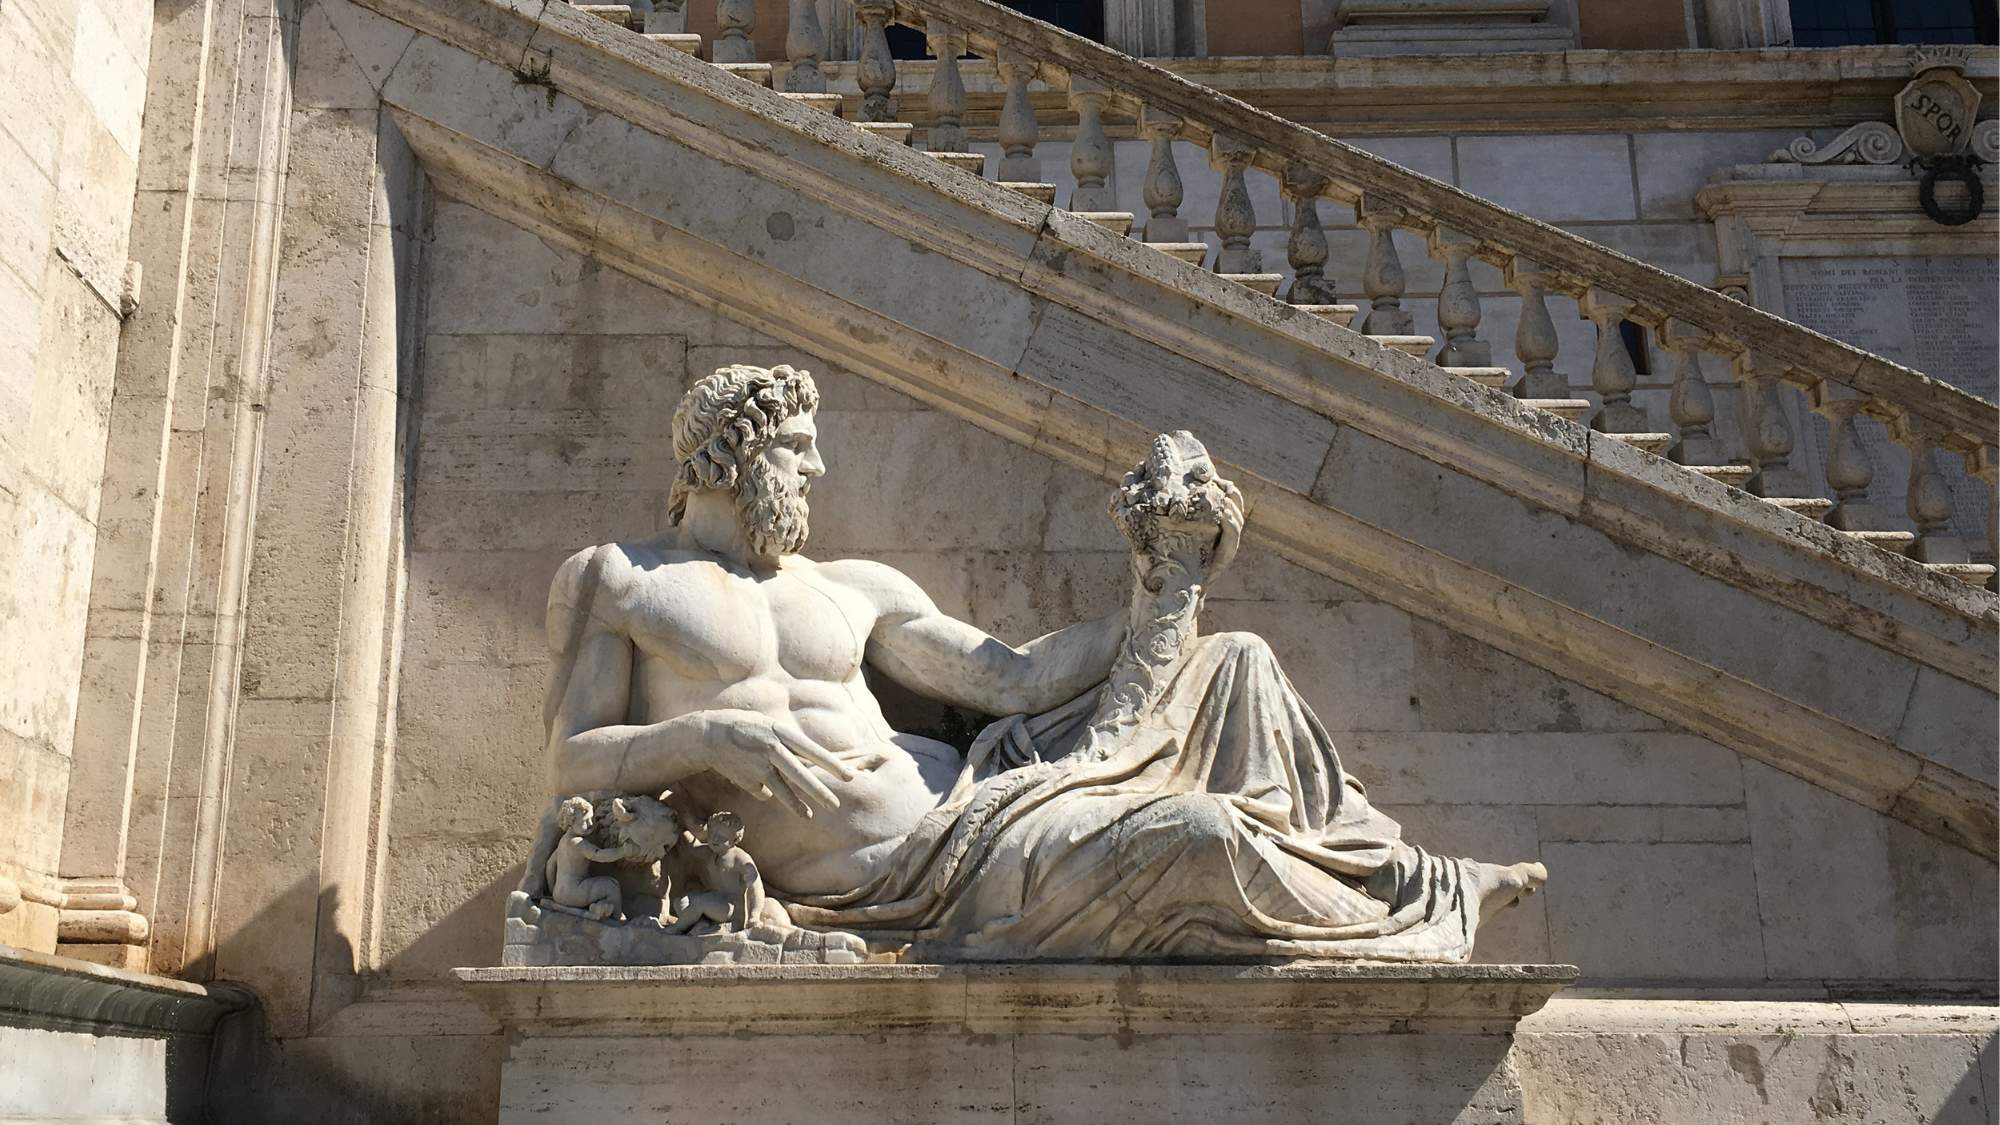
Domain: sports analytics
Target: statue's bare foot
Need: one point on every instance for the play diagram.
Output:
(1500, 887)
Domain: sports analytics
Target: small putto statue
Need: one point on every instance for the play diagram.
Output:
(571, 883)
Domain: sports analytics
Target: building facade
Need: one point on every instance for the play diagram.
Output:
(1611, 523)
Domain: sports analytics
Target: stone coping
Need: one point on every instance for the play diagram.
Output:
(1011, 997)
(1573, 90)
(63, 994)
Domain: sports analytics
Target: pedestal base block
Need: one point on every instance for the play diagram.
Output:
(1355, 1043)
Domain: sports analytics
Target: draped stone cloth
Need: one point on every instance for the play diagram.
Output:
(1221, 824)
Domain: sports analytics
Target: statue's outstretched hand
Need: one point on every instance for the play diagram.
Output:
(769, 758)
(1231, 538)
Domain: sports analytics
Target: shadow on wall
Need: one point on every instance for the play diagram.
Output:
(256, 1075)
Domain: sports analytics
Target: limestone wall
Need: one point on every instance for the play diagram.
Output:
(70, 105)
(547, 384)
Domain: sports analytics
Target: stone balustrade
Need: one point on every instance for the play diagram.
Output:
(1785, 374)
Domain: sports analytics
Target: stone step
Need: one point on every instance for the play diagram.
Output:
(973, 162)
(758, 72)
(1040, 193)
(1265, 283)
(1343, 315)
(1190, 252)
(897, 131)
(1976, 574)
(679, 42)
(1574, 409)
(1897, 541)
(620, 14)
(1651, 443)
(825, 103)
(1811, 507)
(1495, 377)
(1117, 222)
(1732, 475)
(1414, 345)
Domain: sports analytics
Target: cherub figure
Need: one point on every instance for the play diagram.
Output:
(735, 895)
(570, 882)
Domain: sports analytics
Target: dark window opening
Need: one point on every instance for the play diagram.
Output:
(1843, 23)
(1634, 336)
(1083, 17)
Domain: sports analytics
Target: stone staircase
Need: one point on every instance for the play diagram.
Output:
(1927, 417)
(1526, 516)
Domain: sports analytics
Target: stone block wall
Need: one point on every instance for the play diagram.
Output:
(547, 386)
(70, 109)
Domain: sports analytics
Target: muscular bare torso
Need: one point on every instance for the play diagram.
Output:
(787, 644)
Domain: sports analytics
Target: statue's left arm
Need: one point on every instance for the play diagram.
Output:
(943, 658)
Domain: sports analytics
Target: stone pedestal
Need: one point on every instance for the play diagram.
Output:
(1445, 27)
(1355, 1043)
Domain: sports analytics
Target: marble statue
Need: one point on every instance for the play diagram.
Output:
(1152, 792)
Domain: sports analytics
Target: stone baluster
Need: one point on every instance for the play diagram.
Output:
(875, 72)
(735, 20)
(805, 46)
(1458, 302)
(1162, 189)
(1235, 217)
(1535, 339)
(947, 88)
(1612, 375)
(1767, 432)
(1090, 153)
(1382, 276)
(1848, 470)
(1691, 404)
(1929, 497)
(1306, 248)
(667, 17)
(1984, 463)
(1018, 131)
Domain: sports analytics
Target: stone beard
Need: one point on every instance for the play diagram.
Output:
(776, 517)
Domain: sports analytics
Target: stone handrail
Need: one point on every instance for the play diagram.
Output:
(1771, 355)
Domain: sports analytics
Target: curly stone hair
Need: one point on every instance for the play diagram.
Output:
(728, 416)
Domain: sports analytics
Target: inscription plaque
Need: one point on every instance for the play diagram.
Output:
(1936, 315)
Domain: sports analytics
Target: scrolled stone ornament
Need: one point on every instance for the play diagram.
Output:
(1871, 142)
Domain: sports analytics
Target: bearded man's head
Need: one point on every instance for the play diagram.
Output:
(723, 425)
